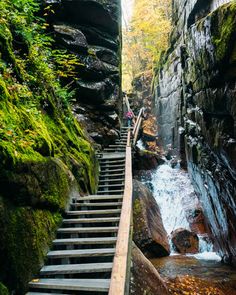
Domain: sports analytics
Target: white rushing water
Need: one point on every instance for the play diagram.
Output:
(174, 194)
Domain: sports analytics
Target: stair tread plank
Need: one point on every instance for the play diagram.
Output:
(91, 220)
(76, 268)
(87, 229)
(81, 253)
(107, 211)
(96, 204)
(79, 241)
(111, 175)
(112, 180)
(97, 197)
(111, 185)
(110, 191)
(99, 285)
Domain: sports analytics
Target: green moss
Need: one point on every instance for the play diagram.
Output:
(35, 118)
(45, 156)
(139, 224)
(3, 290)
(223, 27)
(26, 236)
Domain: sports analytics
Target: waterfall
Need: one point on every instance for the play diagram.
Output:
(174, 194)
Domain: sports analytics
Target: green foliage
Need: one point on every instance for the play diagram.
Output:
(35, 118)
(41, 142)
(3, 290)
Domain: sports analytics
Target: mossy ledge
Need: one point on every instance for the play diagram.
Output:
(45, 158)
(3, 290)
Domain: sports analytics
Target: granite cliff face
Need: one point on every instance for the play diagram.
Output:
(196, 107)
(90, 29)
(46, 157)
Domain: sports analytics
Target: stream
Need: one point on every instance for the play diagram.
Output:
(175, 194)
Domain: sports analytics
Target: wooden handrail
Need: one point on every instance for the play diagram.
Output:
(120, 276)
(137, 126)
(138, 118)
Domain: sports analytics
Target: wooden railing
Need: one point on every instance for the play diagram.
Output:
(120, 276)
(137, 126)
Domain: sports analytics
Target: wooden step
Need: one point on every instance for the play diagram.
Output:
(111, 185)
(76, 268)
(106, 171)
(112, 169)
(81, 253)
(111, 192)
(112, 164)
(105, 167)
(96, 204)
(91, 212)
(111, 175)
(94, 285)
(96, 198)
(72, 230)
(112, 180)
(109, 156)
(113, 159)
(86, 241)
(117, 159)
(115, 149)
(91, 220)
(117, 146)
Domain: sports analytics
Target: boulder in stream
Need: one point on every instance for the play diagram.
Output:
(149, 232)
(147, 160)
(185, 241)
(145, 278)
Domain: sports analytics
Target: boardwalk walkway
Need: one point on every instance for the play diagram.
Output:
(90, 253)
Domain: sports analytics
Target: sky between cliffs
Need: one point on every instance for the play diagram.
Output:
(127, 8)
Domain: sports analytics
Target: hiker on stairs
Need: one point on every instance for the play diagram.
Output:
(129, 116)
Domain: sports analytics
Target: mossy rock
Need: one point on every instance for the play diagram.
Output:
(3, 290)
(223, 29)
(26, 235)
(46, 184)
(45, 156)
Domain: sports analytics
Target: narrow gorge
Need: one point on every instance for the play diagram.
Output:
(88, 205)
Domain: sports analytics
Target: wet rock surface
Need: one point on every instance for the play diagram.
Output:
(91, 31)
(149, 233)
(145, 278)
(196, 276)
(147, 160)
(195, 95)
(185, 241)
(196, 219)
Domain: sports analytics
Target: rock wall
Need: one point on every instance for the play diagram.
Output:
(91, 30)
(45, 156)
(196, 107)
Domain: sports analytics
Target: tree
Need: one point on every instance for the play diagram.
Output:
(146, 37)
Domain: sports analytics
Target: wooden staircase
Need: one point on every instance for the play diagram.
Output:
(81, 260)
